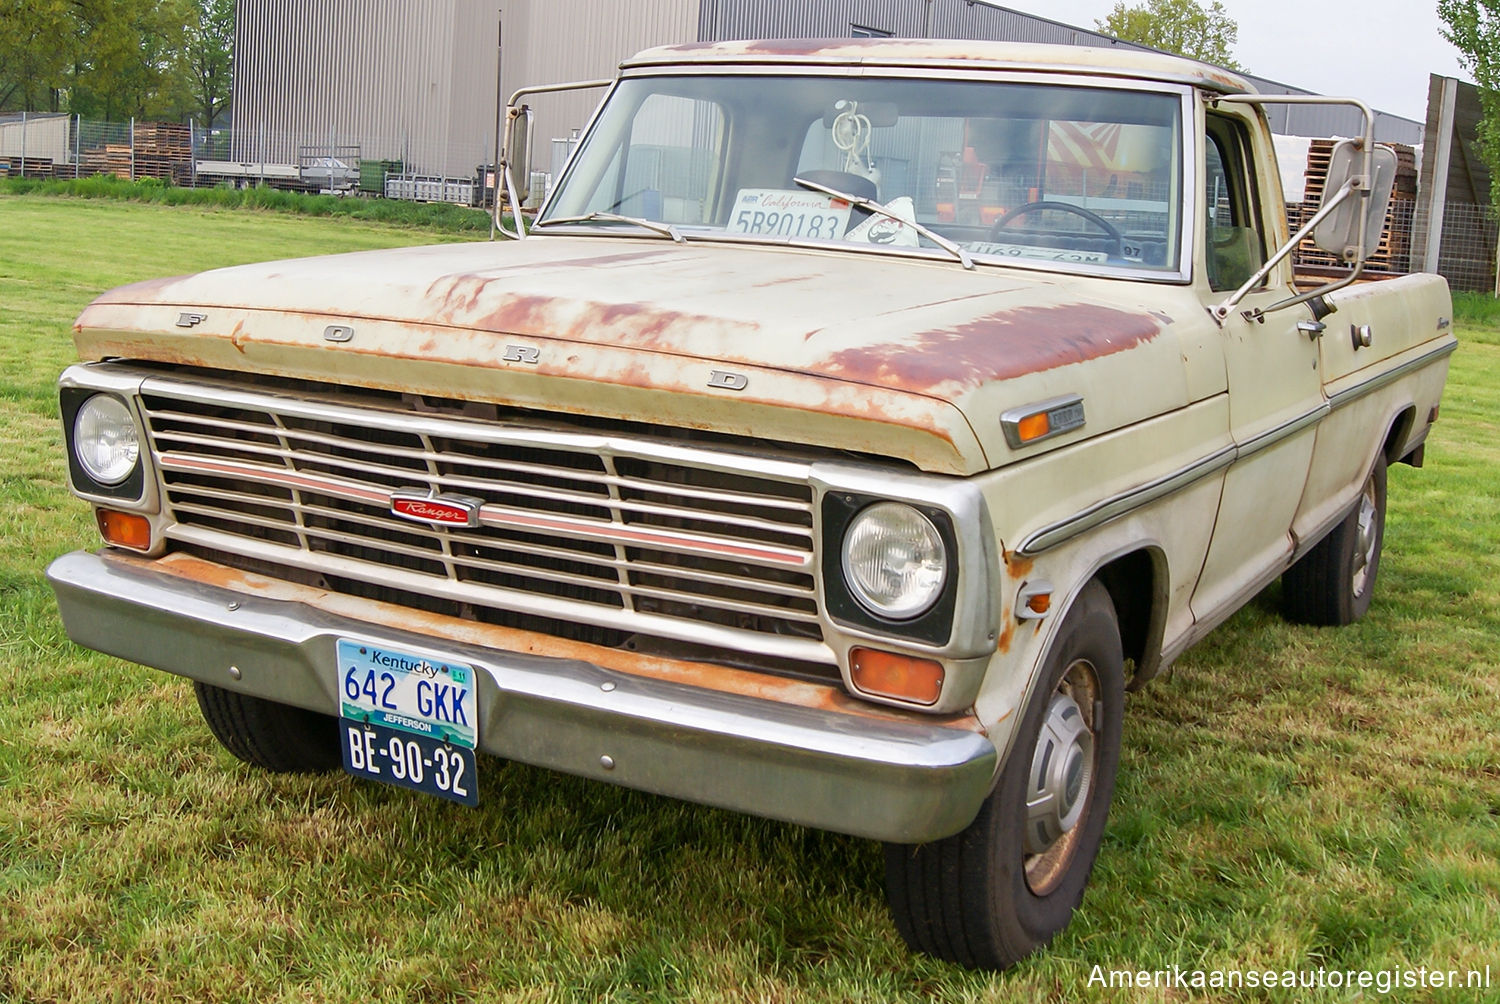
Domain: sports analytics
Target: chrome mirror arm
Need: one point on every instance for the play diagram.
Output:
(1361, 183)
(1222, 310)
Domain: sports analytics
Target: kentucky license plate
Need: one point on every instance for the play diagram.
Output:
(408, 719)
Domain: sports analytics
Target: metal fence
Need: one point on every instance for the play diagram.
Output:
(1468, 240)
(68, 146)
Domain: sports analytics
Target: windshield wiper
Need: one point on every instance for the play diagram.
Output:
(665, 229)
(875, 207)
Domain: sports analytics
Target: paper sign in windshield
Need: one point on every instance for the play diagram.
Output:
(1038, 254)
(779, 213)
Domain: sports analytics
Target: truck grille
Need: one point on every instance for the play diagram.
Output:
(636, 538)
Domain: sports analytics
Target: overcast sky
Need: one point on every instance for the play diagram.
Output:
(1378, 50)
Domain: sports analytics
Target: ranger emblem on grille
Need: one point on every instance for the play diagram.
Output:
(439, 510)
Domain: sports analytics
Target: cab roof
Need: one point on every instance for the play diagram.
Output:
(1120, 62)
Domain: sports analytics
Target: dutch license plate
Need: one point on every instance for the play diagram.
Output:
(408, 719)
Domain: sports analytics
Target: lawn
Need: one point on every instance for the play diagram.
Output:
(1290, 798)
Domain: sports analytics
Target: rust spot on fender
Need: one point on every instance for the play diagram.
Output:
(995, 347)
(1007, 635)
(1018, 566)
(827, 697)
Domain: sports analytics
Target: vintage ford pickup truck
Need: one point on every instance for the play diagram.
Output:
(856, 423)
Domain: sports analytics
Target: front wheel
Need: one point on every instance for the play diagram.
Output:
(991, 895)
(1332, 584)
(266, 734)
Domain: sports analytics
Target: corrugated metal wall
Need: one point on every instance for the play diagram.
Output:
(404, 81)
(733, 19)
(550, 41)
(721, 20)
(38, 136)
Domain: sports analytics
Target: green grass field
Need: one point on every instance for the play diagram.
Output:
(1290, 798)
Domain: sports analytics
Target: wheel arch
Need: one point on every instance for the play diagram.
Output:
(1137, 583)
(1399, 434)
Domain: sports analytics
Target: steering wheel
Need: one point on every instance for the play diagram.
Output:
(1036, 207)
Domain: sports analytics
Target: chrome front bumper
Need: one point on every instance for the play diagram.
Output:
(870, 775)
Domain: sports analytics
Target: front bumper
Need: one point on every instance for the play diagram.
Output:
(851, 770)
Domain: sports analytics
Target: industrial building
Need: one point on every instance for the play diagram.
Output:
(414, 83)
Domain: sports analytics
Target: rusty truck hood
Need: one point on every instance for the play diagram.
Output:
(879, 355)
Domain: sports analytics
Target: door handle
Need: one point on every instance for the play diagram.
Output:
(1312, 329)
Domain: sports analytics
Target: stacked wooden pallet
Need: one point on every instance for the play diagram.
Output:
(1394, 251)
(162, 150)
(31, 167)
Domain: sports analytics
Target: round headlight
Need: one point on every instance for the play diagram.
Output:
(105, 440)
(894, 560)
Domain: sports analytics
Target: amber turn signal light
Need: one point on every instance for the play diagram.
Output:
(125, 529)
(1033, 427)
(1033, 423)
(899, 676)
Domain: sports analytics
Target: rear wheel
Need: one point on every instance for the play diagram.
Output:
(276, 737)
(1332, 584)
(991, 895)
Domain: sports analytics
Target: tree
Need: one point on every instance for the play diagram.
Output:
(1474, 29)
(36, 49)
(128, 49)
(208, 57)
(1181, 26)
(113, 59)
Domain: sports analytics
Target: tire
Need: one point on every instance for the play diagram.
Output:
(983, 898)
(276, 737)
(1331, 585)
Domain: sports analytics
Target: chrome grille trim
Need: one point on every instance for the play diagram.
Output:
(625, 534)
(778, 646)
(654, 487)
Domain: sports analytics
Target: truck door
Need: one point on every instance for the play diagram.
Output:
(1275, 394)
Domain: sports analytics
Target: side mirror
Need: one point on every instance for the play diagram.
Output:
(515, 157)
(1339, 232)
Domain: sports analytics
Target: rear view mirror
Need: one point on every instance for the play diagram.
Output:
(882, 114)
(515, 157)
(1338, 233)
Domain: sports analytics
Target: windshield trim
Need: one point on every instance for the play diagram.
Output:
(1188, 151)
(935, 255)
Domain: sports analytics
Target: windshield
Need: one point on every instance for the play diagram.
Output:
(1047, 175)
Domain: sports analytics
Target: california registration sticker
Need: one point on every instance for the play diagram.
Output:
(439, 510)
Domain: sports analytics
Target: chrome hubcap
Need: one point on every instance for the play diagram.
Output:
(1364, 547)
(1060, 783)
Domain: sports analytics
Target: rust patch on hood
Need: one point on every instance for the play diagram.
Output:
(997, 347)
(637, 325)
